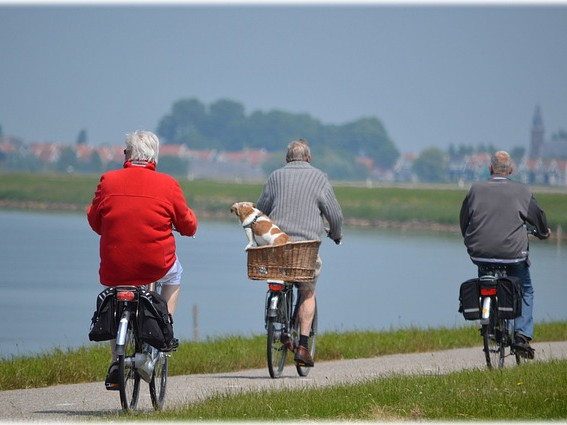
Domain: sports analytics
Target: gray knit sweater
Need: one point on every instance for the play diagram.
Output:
(297, 197)
(492, 220)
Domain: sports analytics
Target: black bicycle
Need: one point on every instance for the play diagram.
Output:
(497, 332)
(137, 360)
(282, 326)
(283, 267)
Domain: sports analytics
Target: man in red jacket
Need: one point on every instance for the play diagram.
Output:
(135, 210)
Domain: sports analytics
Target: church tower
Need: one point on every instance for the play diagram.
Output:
(537, 135)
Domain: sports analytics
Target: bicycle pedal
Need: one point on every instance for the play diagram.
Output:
(112, 387)
(526, 353)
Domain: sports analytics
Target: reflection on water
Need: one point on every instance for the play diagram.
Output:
(376, 280)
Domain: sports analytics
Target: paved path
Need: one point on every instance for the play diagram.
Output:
(87, 402)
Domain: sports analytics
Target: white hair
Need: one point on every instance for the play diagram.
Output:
(142, 146)
(501, 163)
(298, 150)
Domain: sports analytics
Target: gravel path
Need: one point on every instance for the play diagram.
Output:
(88, 402)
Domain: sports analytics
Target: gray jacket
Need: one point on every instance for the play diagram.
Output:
(297, 197)
(493, 217)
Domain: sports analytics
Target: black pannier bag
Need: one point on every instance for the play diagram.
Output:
(510, 294)
(104, 322)
(155, 324)
(469, 299)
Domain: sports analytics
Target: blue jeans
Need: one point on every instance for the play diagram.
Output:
(524, 324)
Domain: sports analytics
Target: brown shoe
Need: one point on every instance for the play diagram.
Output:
(522, 344)
(302, 357)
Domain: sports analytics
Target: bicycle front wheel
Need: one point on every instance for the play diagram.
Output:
(158, 383)
(493, 338)
(129, 377)
(302, 370)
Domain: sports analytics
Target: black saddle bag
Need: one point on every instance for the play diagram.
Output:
(469, 299)
(104, 321)
(510, 294)
(154, 321)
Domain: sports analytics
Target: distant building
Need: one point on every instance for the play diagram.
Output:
(537, 135)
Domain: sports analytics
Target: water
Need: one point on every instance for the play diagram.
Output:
(376, 280)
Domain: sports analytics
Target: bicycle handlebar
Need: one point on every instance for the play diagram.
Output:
(336, 241)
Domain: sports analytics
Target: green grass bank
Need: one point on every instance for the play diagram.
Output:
(232, 353)
(426, 206)
(533, 392)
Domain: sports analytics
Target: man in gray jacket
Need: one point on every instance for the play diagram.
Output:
(493, 223)
(297, 197)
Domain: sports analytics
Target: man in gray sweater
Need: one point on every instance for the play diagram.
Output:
(297, 197)
(493, 223)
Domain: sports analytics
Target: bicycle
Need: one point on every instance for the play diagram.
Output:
(283, 266)
(497, 332)
(283, 327)
(136, 359)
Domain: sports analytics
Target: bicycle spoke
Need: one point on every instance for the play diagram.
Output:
(276, 349)
(158, 383)
(129, 378)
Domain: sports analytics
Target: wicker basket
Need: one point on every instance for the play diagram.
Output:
(291, 262)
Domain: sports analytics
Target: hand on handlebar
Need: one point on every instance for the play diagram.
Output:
(533, 231)
(336, 241)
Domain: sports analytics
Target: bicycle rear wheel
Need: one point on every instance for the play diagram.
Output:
(493, 338)
(129, 377)
(302, 370)
(158, 383)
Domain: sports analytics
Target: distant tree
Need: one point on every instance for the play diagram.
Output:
(367, 136)
(1, 131)
(338, 166)
(67, 161)
(273, 129)
(95, 163)
(227, 124)
(185, 124)
(82, 137)
(174, 166)
(273, 162)
(430, 165)
(559, 135)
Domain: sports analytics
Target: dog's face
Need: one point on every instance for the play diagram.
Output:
(243, 209)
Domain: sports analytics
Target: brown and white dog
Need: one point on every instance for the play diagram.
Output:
(258, 226)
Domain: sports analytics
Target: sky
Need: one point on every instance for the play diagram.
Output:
(434, 74)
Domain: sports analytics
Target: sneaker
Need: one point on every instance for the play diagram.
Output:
(302, 357)
(173, 346)
(522, 344)
(112, 382)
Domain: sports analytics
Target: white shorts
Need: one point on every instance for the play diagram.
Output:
(173, 276)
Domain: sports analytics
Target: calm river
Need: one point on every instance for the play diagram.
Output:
(376, 280)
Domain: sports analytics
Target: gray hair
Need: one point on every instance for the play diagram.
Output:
(501, 163)
(142, 146)
(298, 150)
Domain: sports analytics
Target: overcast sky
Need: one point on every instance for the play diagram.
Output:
(433, 75)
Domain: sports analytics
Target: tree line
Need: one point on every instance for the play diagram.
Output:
(224, 125)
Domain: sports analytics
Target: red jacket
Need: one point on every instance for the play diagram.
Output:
(133, 210)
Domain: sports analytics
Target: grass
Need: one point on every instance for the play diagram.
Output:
(536, 391)
(368, 206)
(90, 363)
